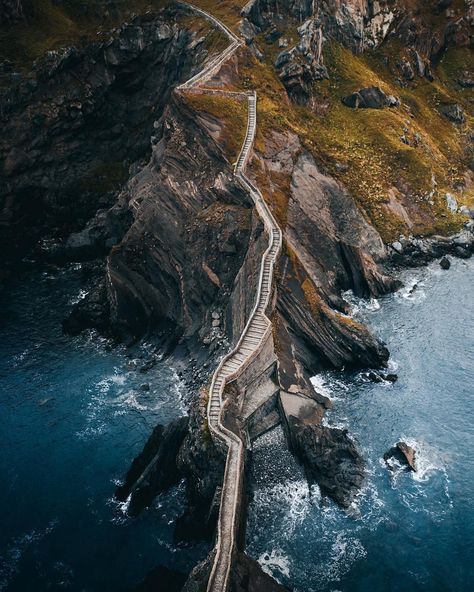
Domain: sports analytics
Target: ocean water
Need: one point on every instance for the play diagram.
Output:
(73, 416)
(407, 531)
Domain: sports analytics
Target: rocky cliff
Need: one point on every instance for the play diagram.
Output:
(364, 139)
(74, 125)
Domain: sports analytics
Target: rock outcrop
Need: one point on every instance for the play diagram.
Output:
(403, 453)
(328, 455)
(155, 469)
(370, 98)
(10, 11)
(72, 128)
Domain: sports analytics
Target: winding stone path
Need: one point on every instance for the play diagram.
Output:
(253, 336)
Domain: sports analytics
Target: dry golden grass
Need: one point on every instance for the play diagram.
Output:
(231, 113)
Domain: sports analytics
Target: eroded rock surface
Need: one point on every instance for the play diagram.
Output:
(72, 128)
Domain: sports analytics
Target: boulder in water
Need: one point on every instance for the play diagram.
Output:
(403, 453)
(445, 263)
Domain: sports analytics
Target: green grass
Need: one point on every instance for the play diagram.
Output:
(231, 113)
(48, 26)
(367, 142)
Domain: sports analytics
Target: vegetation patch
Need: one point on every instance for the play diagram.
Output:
(228, 11)
(49, 25)
(413, 149)
(232, 115)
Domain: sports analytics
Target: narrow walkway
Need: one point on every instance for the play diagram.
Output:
(253, 336)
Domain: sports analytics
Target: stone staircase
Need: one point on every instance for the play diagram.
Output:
(254, 335)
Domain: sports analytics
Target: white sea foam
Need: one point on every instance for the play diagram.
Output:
(79, 296)
(358, 305)
(412, 290)
(294, 500)
(275, 563)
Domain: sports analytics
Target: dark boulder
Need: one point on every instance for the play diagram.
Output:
(445, 263)
(403, 453)
(370, 98)
(374, 377)
(330, 459)
(454, 113)
(155, 468)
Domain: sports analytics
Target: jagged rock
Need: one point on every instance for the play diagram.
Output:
(403, 453)
(370, 98)
(454, 113)
(74, 125)
(302, 65)
(328, 454)
(10, 11)
(159, 454)
(330, 459)
(374, 377)
(445, 263)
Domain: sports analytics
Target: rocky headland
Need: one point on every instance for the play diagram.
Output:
(364, 154)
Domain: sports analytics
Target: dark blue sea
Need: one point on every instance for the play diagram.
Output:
(406, 532)
(73, 414)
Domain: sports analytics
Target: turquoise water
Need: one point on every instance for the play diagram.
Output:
(408, 531)
(72, 417)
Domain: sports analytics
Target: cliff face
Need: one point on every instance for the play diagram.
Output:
(174, 271)
(72, 128)
(178, 239)
(10, 11)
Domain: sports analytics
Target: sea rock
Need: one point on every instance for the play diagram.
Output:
(403, 453)
(159, 459)
(374, 377)
(328, 455)
(330, 459)
(445, 263)
(370, 98)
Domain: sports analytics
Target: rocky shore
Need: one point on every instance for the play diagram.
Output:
(103, 164)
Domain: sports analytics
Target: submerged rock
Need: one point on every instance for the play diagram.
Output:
(403, 453)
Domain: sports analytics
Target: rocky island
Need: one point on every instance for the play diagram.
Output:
(225, 173)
